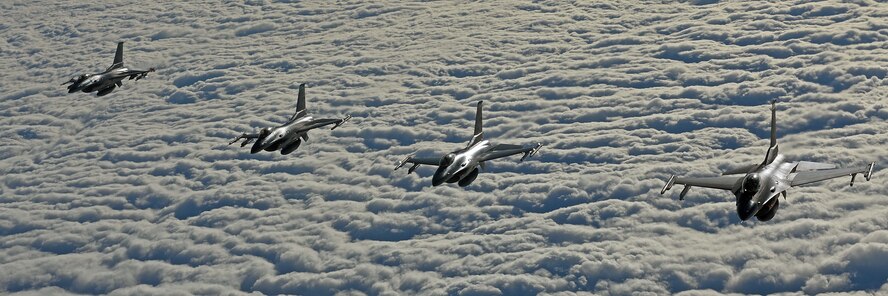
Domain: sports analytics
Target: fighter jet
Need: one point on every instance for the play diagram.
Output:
(462, 165)
(288, 136)
(757, 186)
(105, 82)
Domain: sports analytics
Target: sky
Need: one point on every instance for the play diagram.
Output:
(139, 193)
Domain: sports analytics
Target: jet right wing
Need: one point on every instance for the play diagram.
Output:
(807, 177)
(416, 161)
(503, 150)
(722, 182)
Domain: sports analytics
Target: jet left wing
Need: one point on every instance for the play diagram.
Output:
(741, 170)
(503, 150)
(322, 122)
(807, 177)
(723, 182)
(138, 74)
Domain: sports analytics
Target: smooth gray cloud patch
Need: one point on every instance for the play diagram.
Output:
(138, 193)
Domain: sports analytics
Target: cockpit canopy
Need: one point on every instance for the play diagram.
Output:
(751, 184)
(447, 159)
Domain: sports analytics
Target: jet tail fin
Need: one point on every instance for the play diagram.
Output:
(300, 104)
(773, 149)
(478, 135)
(773, 123)
(478, 119)
(118, 56)
(300, 100)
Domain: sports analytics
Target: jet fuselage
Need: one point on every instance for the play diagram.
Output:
(97, 82)
(282, 137)
(759, 188)
(457, 165)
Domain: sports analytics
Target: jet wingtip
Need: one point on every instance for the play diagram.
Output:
(668, 185)
(869, 171)
(401, 163)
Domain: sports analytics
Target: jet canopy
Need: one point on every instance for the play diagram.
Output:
(447, 159)
(751, 183)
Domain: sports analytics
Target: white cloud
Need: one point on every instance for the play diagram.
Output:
(138, 193)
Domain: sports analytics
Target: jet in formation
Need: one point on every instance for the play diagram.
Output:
(757, 186)
(462, 166)
(288, 136)
(107, 81)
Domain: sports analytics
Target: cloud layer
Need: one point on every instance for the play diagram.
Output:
(138, 193)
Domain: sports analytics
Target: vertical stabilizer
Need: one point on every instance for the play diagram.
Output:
(300, 100)
(478, 120)
(478, 136)
(772, 150)
(118, 56)
(773, 123)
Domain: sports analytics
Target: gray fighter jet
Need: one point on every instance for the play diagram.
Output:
(463, 165)
(105, 82)
(757, 186)
(288, 136)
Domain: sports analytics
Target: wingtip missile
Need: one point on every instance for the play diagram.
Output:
(401, 163)
(347, 117)
(869, 171)
(668, 185)
(532, 152)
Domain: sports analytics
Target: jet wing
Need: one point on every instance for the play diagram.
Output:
(807, 177)
(722, 182)
(423, 160)
(813, 166)
(741, 170)
(416, 161)
(504, 150)
(323, 122)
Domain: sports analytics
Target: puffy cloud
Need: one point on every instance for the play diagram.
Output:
(137, 192)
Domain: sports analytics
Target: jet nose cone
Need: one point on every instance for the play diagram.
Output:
(747, 209)
(442, 174)
(258, 146)
(438, 179)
